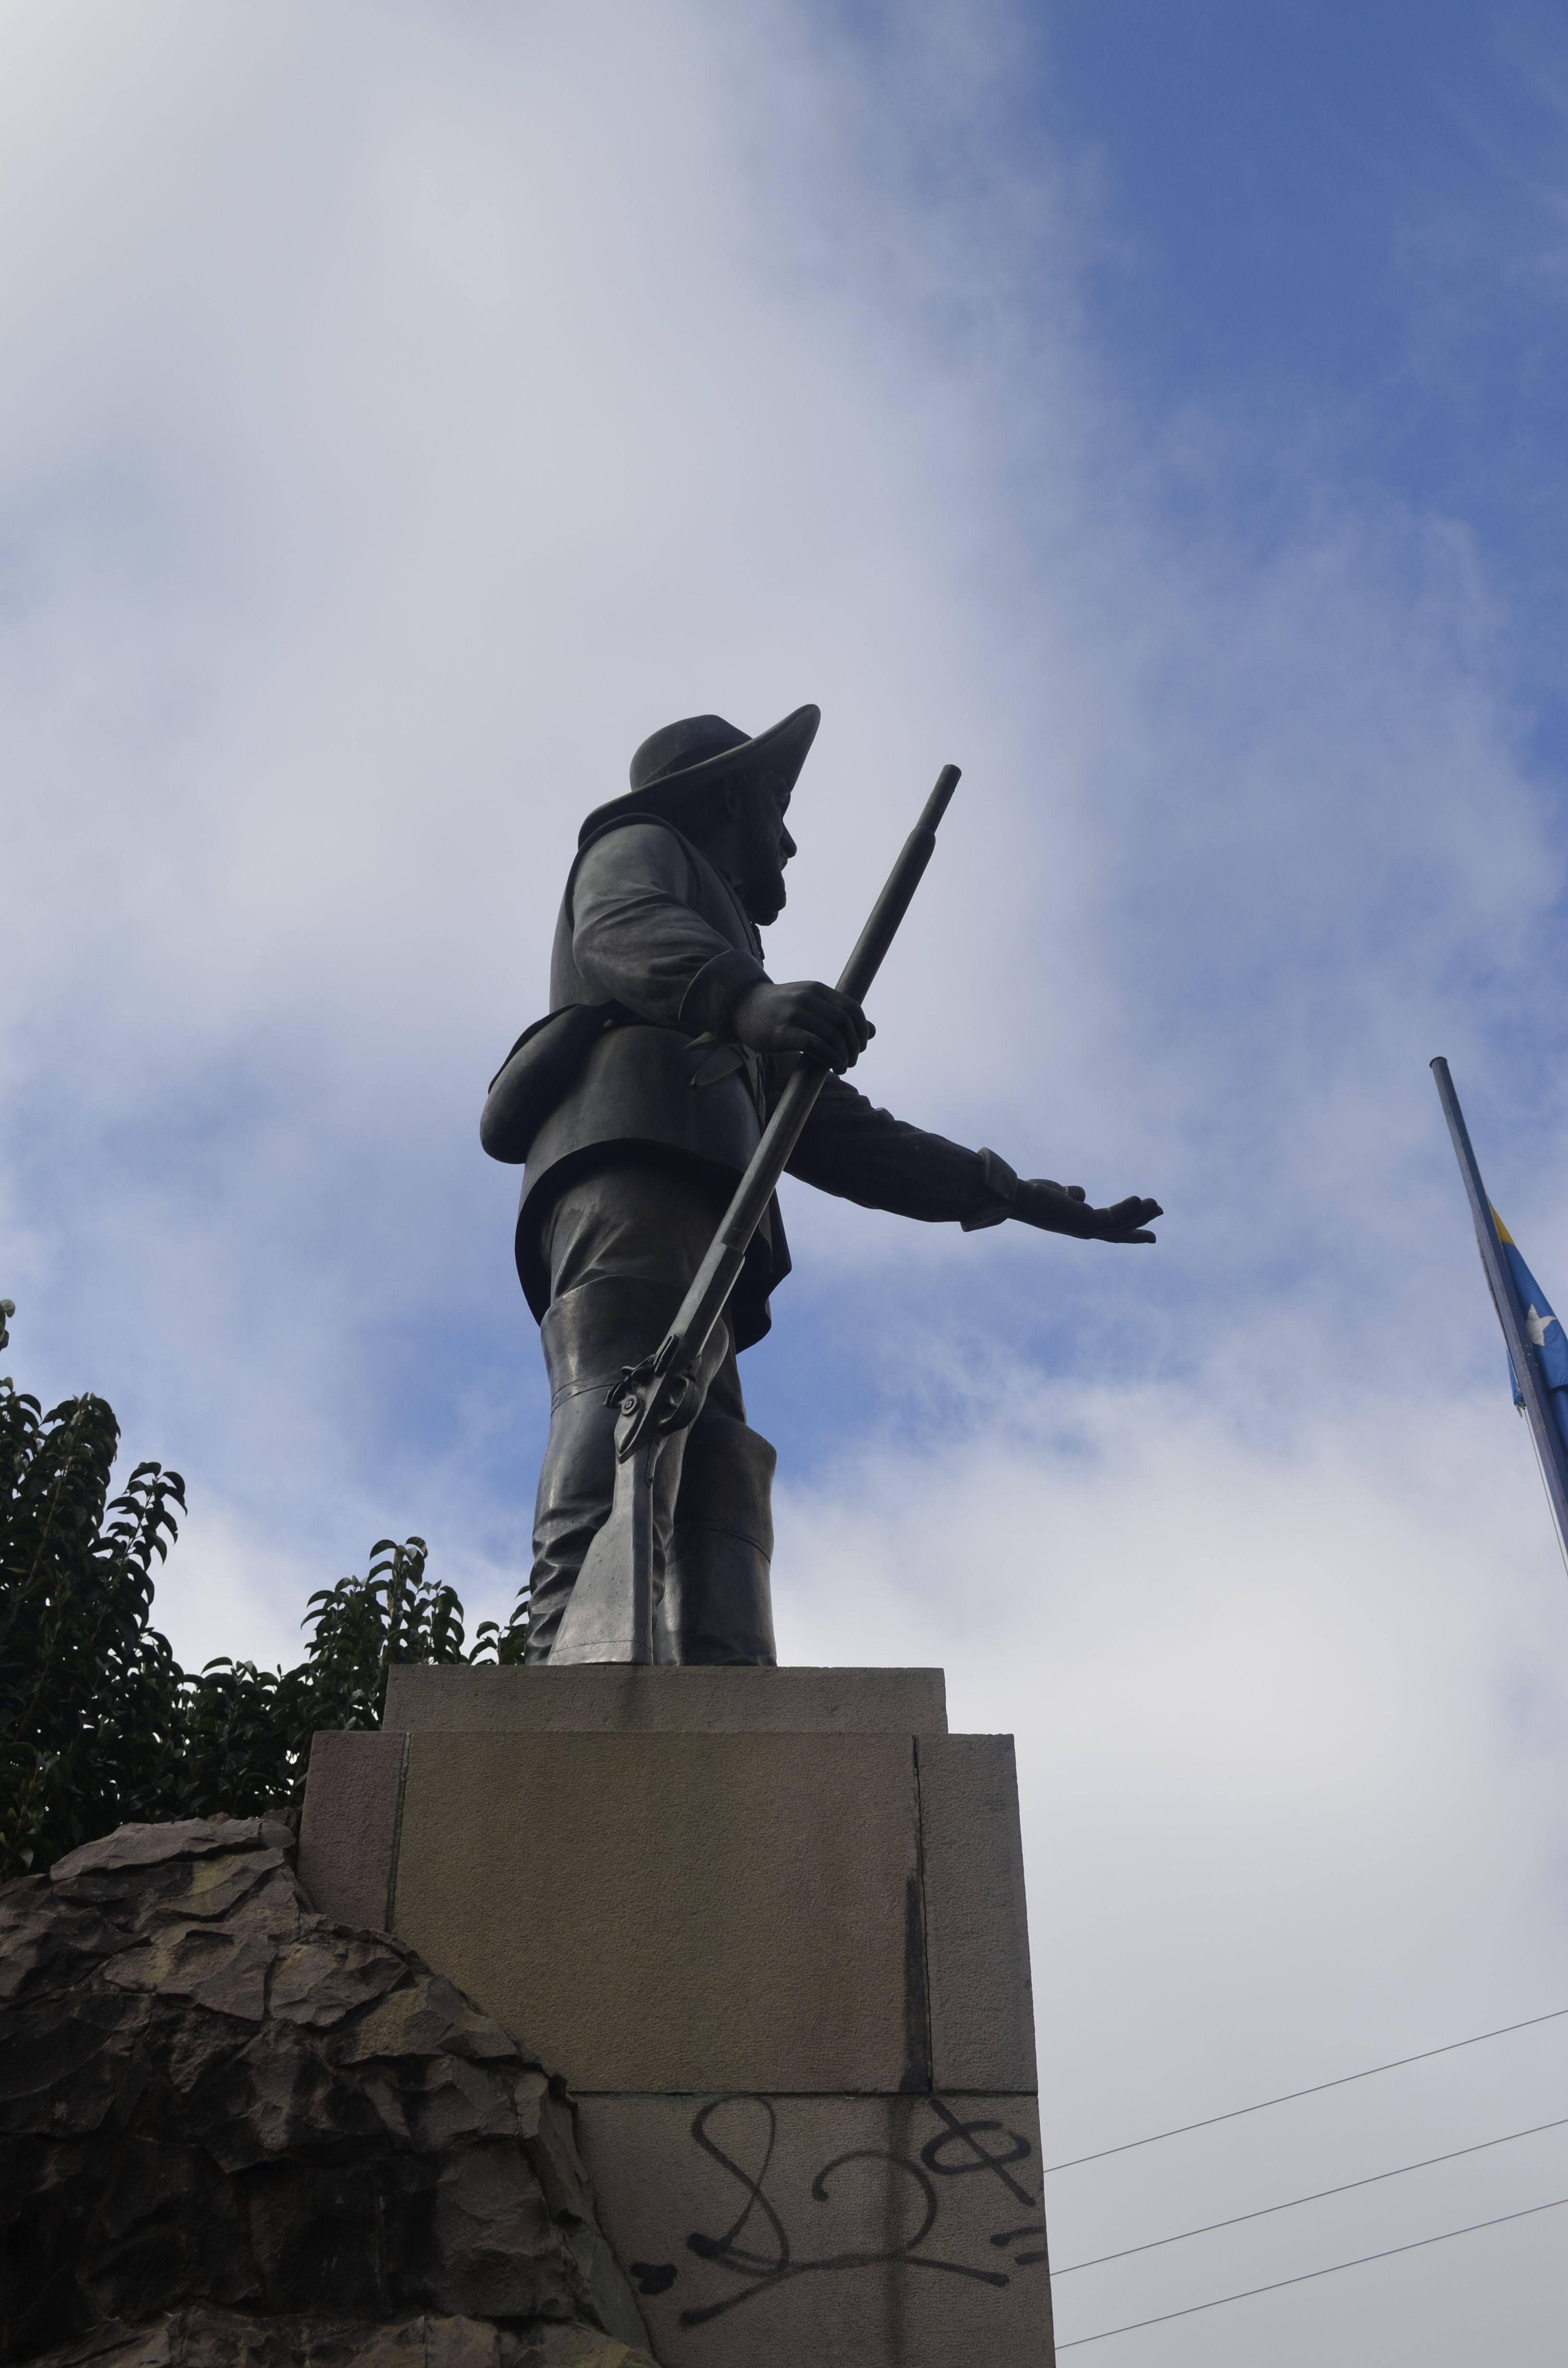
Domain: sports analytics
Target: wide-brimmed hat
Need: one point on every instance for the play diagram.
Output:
(683, 756)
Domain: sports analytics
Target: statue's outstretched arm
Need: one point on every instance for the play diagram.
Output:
(863, 1154)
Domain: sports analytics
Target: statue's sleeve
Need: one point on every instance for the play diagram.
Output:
(636, 939)
(863, 1154)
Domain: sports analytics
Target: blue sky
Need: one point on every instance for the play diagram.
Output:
(1155, 411)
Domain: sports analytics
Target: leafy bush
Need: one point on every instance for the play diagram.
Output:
(98, 1723)
(90, 1694)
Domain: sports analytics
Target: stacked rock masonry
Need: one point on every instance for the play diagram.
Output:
(233, 2131)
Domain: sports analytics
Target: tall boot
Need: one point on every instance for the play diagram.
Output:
(718, 1604)
(588, 1335)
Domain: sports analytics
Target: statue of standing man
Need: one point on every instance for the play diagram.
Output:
(636, 1106)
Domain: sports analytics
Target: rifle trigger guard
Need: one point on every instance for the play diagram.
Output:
(635, 1394)
(627, 1383)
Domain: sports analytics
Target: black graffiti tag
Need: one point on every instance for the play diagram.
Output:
(968, 2135)
(765, 2270)
(965, 2138)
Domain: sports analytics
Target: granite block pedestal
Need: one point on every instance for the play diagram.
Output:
(770, 1925)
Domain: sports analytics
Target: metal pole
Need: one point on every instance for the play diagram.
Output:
(1551, 1451)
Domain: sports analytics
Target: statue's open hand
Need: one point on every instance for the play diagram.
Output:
(805, 1017)
(1063, 1209)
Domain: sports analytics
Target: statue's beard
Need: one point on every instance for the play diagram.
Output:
(766, 895)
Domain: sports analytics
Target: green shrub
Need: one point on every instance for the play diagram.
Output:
(99, 1725)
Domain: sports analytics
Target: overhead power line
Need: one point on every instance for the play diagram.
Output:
(1239, 2112)
(1307, 2275)
(1403, 2171)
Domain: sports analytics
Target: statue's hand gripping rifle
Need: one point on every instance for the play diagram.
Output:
(610, 1616)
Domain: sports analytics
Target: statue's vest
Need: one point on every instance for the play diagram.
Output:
(641, 1092)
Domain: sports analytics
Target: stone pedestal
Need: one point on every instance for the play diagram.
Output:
(769, 1923)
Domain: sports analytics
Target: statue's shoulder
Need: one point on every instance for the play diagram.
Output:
(638, 851)
(638, 843)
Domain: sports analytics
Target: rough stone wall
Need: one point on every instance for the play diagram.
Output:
(206, 2337)
(216, 2103)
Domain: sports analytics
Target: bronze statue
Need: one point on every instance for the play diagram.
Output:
(637, 1105)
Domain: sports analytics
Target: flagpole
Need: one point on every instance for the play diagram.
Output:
(1551, 1451)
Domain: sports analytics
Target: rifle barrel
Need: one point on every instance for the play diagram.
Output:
(895, 899)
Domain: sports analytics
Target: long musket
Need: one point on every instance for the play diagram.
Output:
(610, 1616)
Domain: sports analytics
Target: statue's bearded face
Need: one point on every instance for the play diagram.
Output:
(761, 843)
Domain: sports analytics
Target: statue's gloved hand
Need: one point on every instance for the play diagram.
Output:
(804, 1017)
(1063, 1209)
(1056, 1208)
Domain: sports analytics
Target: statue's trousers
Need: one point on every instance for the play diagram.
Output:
(622, 1245)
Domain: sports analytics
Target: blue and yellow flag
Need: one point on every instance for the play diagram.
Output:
(1544, 1331)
